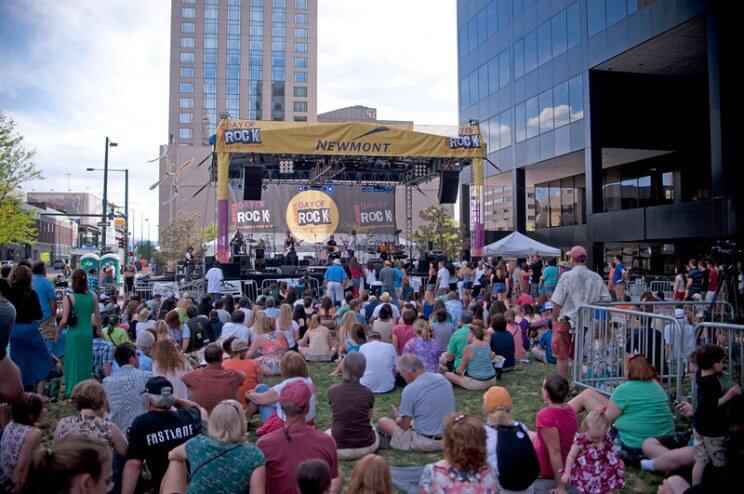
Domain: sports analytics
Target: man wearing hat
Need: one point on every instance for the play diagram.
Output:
(385, 299)
(155, 433)
(387, 277)
(334, 280)
(297, 442)
(577, 287)
(673, 346)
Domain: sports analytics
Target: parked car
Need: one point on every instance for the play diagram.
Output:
(58, 263)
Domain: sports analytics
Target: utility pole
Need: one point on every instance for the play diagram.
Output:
(104, 214)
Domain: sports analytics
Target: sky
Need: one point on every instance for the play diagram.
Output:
(74, 72)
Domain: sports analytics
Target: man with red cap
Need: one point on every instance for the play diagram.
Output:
(295, 443)
(576, 287)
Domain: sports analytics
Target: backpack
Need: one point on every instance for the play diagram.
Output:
(518, 466)
(199, 327)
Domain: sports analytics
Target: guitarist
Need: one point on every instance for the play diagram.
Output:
(290, 253)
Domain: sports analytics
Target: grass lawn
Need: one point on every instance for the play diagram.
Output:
(523, 385)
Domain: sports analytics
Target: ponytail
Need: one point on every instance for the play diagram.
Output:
(52, 471)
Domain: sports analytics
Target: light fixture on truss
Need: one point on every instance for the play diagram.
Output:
(286, 167)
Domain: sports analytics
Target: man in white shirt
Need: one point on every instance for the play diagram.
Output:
(672, 346)
(385, 299)
(443, 276)
(237, 328)
(576, 287)
(214, 279)
(379, 374)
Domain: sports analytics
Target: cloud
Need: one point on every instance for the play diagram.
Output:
(72, 73)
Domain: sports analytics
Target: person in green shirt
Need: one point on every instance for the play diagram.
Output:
(114, 333)
(639, 407)
(450, 360)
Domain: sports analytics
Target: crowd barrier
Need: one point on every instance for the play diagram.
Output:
(250, 289)
(721, 310)
(604, 336)
(666, 287)
(730, 337)
(268, 282)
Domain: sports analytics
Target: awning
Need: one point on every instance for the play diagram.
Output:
(517, 245)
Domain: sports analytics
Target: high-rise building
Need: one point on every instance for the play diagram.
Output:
(251, 59)
(613, 119)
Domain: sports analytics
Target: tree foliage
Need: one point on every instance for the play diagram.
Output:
(440, 229)
(16, 168)
(145, 250)
(183, 232)
(209, 233)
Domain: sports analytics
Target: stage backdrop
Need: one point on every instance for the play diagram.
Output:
(313, 215)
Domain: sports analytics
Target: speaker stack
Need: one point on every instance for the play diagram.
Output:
(252, 183)
(449, 182)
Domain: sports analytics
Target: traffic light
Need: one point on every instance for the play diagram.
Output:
(122, 242)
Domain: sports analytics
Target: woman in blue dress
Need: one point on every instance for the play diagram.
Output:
(27, 347)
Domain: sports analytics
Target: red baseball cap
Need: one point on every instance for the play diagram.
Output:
(576, 252)
(297, 392)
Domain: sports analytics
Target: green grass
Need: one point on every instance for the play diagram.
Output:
(523, 385)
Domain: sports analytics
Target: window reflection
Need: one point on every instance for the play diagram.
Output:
(558, 31)
(576, 98)
(560, 202)
(533, 122)
(546, 111)
(560, 102)
(544, 51)
(530, 52)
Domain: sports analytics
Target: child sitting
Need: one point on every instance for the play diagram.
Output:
(592, 465)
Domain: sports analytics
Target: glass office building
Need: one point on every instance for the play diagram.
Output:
(606, 122)
(251, 59)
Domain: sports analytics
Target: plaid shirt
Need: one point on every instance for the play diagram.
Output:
(123, 390)
(103, 352)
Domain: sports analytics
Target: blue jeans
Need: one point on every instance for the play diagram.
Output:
(265, 411)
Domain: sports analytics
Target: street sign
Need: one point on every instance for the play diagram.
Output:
(103, 223)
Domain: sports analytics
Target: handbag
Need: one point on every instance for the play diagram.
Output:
(72, 317)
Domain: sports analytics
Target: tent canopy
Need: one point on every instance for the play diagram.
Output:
(517, 245)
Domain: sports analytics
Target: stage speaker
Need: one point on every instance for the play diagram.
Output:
(260, 264)
(231, 270)
(449, 183)
(252, 183)
(208, 262)
(245, 262)
(304, 262)
(181, 268)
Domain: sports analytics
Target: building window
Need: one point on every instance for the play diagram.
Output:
(187, 57)
(560, 105)
(300, 47)
(300, 106)
(189, 1)
(300, 76)
(544, 50)
(300, 32)
(187, 42)
(185, 133)
(188, 71)
(520, 122)
(188, 13)
(530, 52)
(186, 87)
(558, 31)
(300, 91)
(300, 118)
(186, 103)
(300, 62)
(595, 16)
(185, 118)
(546, 111)
(300, 18)
(576, 98)
(301, 4)
(188, 27)
(532, 118)
(504, 75)
(573, 18)
(560, 202)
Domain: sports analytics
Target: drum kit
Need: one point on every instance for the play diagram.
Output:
(389, 248)
(246, 247)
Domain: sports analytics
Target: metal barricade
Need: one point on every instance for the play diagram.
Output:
(143, 289)
(250, 289)
(605, 335)
(730, 337)
(721, 311)
(292, 282)
(665, 287)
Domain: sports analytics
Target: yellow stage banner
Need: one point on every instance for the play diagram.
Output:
(344, 139)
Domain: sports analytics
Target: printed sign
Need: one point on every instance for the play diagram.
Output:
(232, 287)
(167, 289)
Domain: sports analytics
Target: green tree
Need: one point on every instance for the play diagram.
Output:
(145, 250)
(183, 232)
(16, 168)
(440, 229)
(209, 233)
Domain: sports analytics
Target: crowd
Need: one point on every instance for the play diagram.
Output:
(171, 386)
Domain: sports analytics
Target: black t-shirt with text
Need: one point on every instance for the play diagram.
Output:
(154, 434)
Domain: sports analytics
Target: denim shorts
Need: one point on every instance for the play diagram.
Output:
(499, 287)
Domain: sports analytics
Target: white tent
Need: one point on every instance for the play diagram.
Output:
(517, 245)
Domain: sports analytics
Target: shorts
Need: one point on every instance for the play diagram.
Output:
(410, 440)
(562, 341)
(499, 287)
(476, 384)
(709, 449)
(467, 285)
(357, 453)
(675, 441)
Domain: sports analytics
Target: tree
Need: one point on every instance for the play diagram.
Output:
(440, 229)
(16, 168)
(183, 232)
(209, 233)
(145, 250)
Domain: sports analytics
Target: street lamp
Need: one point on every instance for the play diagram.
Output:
(126, 203)
(105, 193)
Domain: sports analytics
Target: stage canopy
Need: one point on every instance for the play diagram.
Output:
(317, 155)
(517, 245)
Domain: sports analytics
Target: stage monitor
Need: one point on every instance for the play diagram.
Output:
(449, 182)
(252, 183)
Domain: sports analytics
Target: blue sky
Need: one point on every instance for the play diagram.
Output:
(73, 72)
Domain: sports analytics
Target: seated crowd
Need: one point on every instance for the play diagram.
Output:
(175, 385)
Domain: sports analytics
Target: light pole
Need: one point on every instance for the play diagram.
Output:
(104, 214)
(126, 202)
(147, 220)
